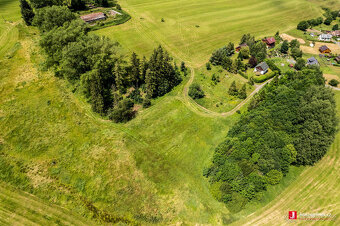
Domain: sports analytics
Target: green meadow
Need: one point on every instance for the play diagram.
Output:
(192, 29)
(56, 155)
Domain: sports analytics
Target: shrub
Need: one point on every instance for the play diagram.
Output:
(274, 177)
(146, 103)
(300, 63)
(265, 77)
(333, 82)
(303, 25)
(195, 91)
(208, 66)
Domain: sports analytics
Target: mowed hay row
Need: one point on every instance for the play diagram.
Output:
(219, 22)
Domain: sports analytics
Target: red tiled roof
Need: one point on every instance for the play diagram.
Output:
(269, 40)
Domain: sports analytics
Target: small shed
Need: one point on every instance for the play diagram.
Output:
(262, 68)
(324, 49)
(312, 61)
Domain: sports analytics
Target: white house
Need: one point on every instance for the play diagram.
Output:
(325, 37)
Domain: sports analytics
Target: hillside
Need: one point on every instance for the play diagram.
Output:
(59, 155)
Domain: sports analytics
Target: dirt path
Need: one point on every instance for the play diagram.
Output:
(290, 38)
(199, 109)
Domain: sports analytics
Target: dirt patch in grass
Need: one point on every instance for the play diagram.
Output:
(290, 38)
(315, 50)
(329, 77)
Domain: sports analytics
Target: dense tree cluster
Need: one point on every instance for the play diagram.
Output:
(291, 121)
(329, 17)
(93, 65)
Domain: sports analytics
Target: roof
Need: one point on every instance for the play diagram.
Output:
(269, 40)
(263, 65)
(336, 33)
(312, 61)
(325, 36)
(93, 16)
(242, 45)
(337, 58)
(323, 48)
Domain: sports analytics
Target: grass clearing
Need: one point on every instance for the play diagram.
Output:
(216, 95)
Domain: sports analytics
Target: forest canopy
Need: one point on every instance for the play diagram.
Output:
(292, 121)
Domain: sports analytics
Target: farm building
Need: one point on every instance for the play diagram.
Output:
(336, 33)
(89, 18)
(312, 61)
(324, 49)
(238, 48)
(262, 68)
(325, 37)
(269, 41)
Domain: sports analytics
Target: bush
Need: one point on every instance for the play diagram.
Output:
(265, 77)
(195, 91)
(303, 25)
(208, 66)
(272, 66)
(274, 177)
(146, 103)
(333, 82)
(243, 75)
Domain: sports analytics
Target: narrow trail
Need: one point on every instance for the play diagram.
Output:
(199, 109)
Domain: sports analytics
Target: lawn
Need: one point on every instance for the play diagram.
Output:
(216, 94)
(219, 22)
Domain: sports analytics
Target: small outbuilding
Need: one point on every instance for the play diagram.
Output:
(312, 61)
(93, 17)
(269, 41)
(324, 49)
(262, 68)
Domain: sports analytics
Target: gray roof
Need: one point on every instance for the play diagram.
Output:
(263, 65)
(312, 61)
(325, 36)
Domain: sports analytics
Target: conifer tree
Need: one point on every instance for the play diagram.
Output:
(26, 12)
(243, 92)
(134, 72)
(233, 89)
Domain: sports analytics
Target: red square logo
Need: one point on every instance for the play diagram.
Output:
(292, 215)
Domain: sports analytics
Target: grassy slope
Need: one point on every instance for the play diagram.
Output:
(150, 167)
(220, 21)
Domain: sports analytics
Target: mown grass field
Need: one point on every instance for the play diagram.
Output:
(150, 169)
(219, 21)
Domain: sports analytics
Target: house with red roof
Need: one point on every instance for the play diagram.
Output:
(270, 42)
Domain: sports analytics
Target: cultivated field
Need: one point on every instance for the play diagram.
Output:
(219, 21)
(150, 168)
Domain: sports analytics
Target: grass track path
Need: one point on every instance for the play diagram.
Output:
(199, 109)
